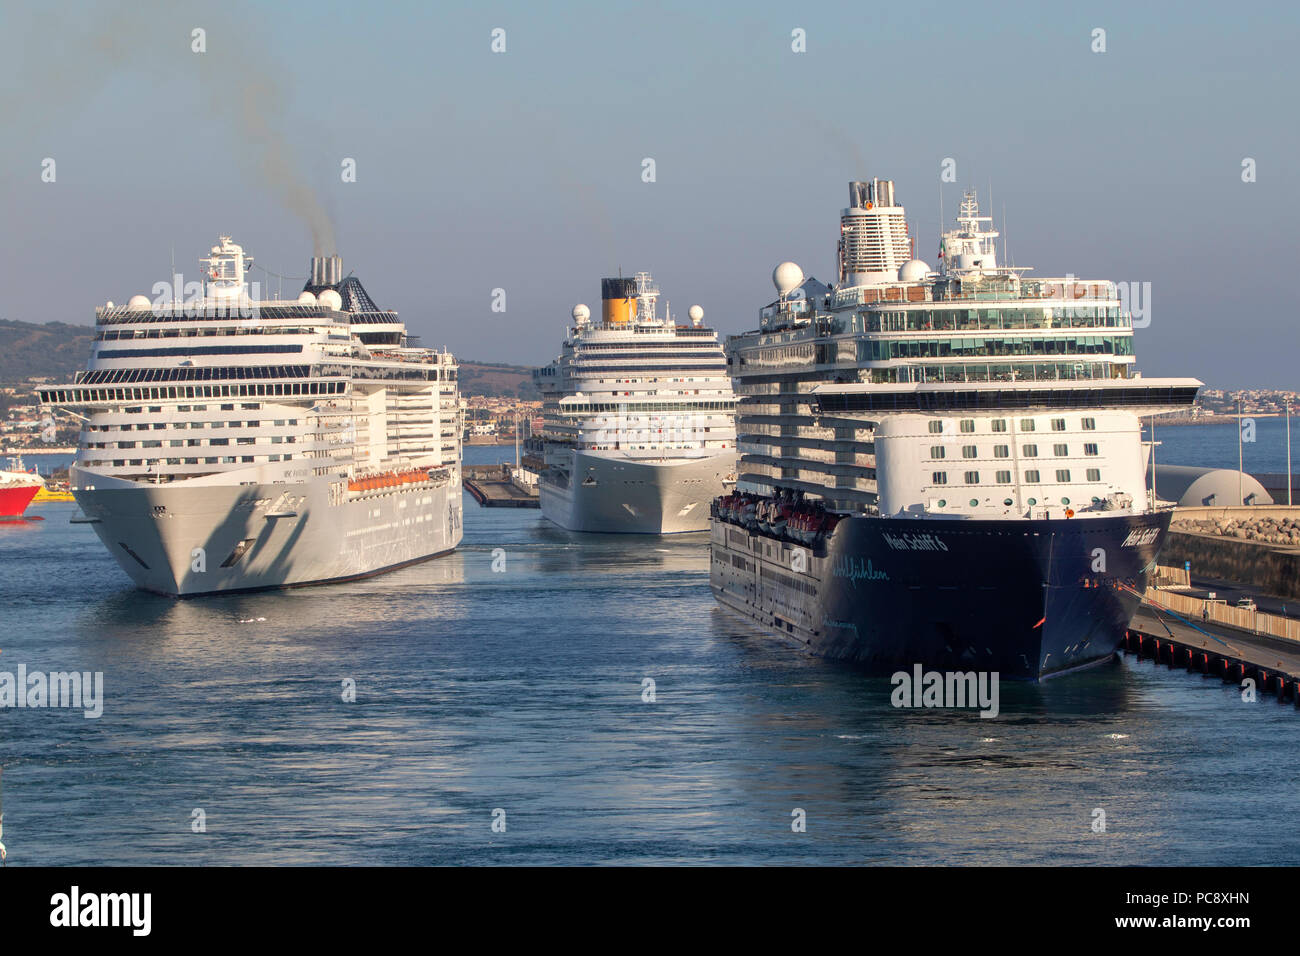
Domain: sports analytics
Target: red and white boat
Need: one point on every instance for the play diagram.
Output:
(17, 488)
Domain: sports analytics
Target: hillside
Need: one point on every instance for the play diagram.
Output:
(56, 350)
(491, 380)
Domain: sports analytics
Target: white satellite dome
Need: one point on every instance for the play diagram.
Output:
(581, 313)
(914, 270)
(787, 277)
(330, 299)
(306, 298)
(138, 302)
(696, 314)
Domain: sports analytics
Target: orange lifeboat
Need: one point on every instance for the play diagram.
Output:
(389, 479)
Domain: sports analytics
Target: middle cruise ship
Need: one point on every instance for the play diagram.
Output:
(639, 433)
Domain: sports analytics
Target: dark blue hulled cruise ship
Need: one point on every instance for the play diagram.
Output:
(942, 466)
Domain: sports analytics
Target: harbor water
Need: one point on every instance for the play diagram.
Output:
(1263, 452)
(508, 683)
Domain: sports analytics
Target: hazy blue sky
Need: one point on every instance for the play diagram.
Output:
(522, 170)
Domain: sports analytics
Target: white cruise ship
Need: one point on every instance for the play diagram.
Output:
(639, 431)
(940, 467)
(230, 443)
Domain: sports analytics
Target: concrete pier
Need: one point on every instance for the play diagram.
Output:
(1231, 654)
(491, 487)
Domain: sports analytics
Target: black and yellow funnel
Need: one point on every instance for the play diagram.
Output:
(618, 301)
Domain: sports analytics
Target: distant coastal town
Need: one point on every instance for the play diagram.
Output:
(491, 420)
(1216, 406)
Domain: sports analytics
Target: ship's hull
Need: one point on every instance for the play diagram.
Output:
(1025, 599)
(183, 540)
(627, 496)
(14, 499)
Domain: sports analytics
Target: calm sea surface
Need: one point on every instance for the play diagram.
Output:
(1215, 446)
(521, 690)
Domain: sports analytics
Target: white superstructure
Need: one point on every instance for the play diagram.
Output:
(229, 442)
(639, 433)
(970, 391)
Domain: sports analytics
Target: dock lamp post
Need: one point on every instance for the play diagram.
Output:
(1240, 463)
(1288, 453)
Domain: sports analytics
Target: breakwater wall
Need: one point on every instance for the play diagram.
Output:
(1250, 546)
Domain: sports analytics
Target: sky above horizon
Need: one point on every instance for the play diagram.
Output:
(522, 170)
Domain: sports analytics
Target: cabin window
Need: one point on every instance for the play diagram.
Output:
(1094, 474)
(1032, 477)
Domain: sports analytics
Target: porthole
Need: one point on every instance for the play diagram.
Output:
(1065, 501)
(1033, 501)
(1008, 502)
(974, 502)
(943, 502)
